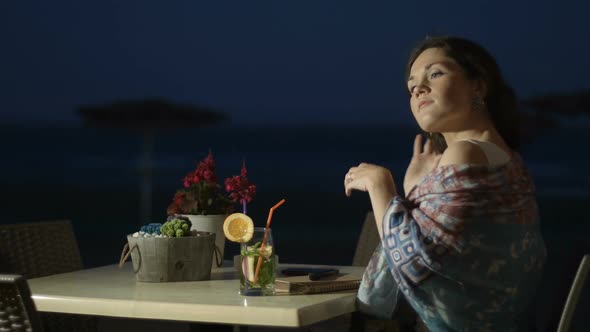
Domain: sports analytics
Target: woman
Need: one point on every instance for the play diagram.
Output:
(463, 247)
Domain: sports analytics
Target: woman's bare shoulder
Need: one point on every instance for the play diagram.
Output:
(463, 152)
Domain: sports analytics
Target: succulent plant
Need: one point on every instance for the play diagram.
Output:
(176, 227)
(151, 228)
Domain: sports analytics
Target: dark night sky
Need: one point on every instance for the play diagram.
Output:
(268, 62)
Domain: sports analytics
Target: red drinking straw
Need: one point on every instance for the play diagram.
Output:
(272, 209)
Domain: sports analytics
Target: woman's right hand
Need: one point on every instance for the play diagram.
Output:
(369, 178)
(424, 160)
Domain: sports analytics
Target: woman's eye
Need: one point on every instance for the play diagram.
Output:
(435, 74)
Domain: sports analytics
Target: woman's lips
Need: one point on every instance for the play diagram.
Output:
(424, 103)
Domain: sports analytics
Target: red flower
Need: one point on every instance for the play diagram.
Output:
(178, 198)
(209, 176)
(240, 187)
(201, 194)
(244, 171)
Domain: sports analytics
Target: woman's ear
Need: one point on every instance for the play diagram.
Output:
(480, 89)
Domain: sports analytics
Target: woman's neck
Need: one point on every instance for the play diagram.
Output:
(480, 134)
(480, 128)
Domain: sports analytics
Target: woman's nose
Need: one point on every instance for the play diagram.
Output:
(421, 88)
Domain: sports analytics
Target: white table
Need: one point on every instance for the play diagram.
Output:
(110, 291)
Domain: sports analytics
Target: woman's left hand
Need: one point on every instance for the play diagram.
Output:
(368, 178)
(424, 160)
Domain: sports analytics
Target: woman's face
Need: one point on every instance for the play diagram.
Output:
(441, 94)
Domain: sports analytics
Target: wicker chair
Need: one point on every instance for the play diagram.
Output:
(40, 249)
(17, 309)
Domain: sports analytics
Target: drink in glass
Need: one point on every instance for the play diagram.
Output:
(250, 255)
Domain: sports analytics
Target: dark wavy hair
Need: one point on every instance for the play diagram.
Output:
(477, 64)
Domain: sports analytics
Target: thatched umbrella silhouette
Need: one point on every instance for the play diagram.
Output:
(534, 124)
(568, 104)
(147, 116)
(546, 107)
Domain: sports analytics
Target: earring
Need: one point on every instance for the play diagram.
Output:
(478, 103)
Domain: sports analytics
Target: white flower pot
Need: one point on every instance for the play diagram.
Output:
(210, 223)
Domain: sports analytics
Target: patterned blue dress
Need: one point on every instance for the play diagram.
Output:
(464, 249)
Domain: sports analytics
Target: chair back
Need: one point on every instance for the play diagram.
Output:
(405, 317)
(565, 273)
(39, 249)
(17, 309)
(574, 294)
(367, 242)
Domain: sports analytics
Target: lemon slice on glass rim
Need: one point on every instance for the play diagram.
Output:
(238, 227)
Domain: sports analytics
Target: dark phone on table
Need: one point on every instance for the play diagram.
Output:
(314, 273)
